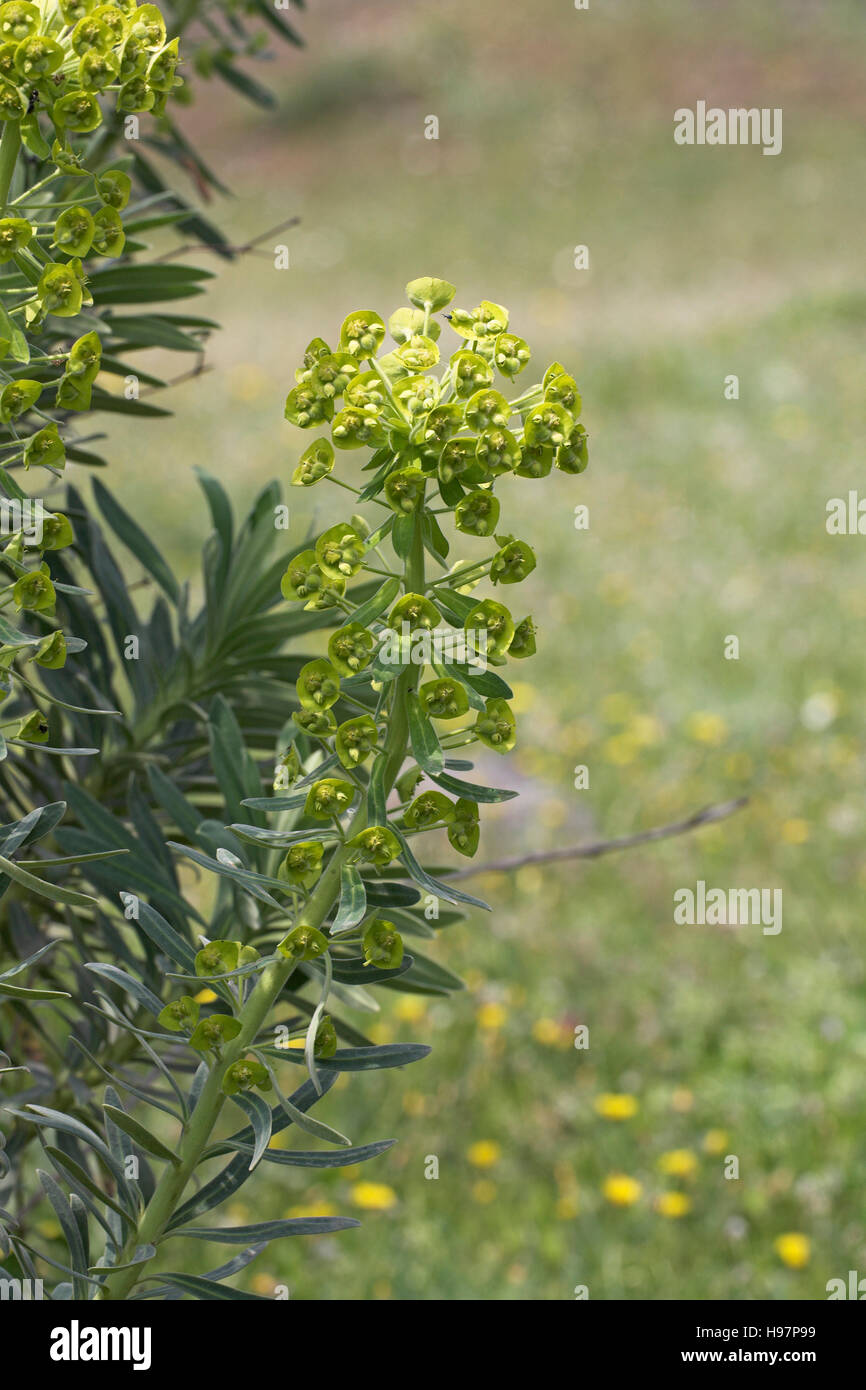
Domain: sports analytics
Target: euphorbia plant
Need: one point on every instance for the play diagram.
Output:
(413, 672)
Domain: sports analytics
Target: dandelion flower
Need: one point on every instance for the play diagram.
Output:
(613, 1106)
(374, 1196)
(485, 1153)
(620, 1190)
(673, 1204)
(678, 1163)
(793, 1249)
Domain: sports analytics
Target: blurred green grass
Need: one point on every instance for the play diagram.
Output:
(707, 519)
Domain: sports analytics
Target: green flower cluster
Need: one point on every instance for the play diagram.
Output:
(56, 59)
(440, 434)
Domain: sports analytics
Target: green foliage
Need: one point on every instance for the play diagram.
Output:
(315, 886)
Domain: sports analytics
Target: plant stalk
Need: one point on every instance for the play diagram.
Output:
(253, 1016)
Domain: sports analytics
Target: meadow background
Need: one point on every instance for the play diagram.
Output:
(707, 518)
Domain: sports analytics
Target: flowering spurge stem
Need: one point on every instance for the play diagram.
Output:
(433, 439)
(271, 983)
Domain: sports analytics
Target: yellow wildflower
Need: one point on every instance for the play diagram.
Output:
(492, 1016)
(793, 1249)
(613, 1106)
(678, 1163)
(374, 1196)
(673, 1204)
(485, 1153)
(620, 1190)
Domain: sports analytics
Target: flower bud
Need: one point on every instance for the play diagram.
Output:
(325, 1044)
(357, 426)
(497, 451)
(33, 729)
(562, 390)
(486, 409)
(315, 350)
(511, 354)
(494, 619)
(470, 373)
(328, 798)
(305, 409)
(430, 293)
(318, 685)
(109, 237)
(376, 844)
(181, 1015)
(419, 354)
(15, 234)
(57, 532)
(211, 1033)
(315, 462)
(114, 188)
(536, 461)
(17, 397)
(383, 946)
(34, 592)
(523, 641)
(51, 652)
(340, 551)
(444, 699)
(407, 782)
(477, 513)
(547, 423)
(303, 943)
(356, 740)
(458, 461)
(318, 723)
(405, 323)
(350, 648)
(217, 958)
(243, 1075)
(496, 727)
(366, 389)
(573, 455)
(361, 334)
(512, 563)
(486, 320)
(416, 610)
(404, 490)
(430, 808)
(302, 864)
(463, 832)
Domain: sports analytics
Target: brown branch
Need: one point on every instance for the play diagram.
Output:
(706, 816)
(201, 369)
(244, 250)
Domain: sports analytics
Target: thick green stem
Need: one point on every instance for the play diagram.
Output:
(10, 144)
(165, 1200)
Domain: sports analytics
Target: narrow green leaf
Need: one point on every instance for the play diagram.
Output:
(425, 744)
(141, 1136)
(353, 900)
(433, 885)
(270, 1230)
(132, 536)
(54, 892)
(470, 790)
